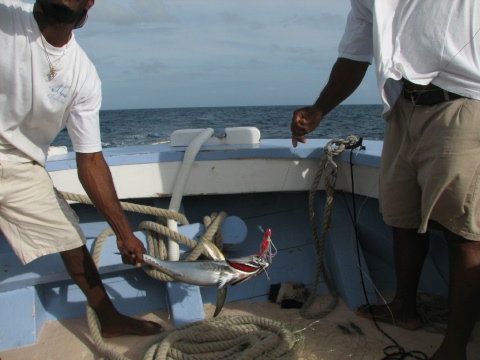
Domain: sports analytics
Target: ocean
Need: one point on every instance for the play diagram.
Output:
(147, 126)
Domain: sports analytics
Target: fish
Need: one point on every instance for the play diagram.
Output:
(219, 271)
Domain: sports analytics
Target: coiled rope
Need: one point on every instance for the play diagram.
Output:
(245, 338)
(229, 338)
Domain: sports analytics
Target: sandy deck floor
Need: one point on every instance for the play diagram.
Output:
(323, 339)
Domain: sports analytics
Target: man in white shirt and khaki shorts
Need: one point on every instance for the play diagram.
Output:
(46, 83)
(428, 75)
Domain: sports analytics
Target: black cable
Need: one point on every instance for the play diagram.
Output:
(395, 351)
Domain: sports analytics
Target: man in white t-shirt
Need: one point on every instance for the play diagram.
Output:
(46, 83)
(428, 73)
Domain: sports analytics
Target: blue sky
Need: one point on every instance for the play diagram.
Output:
(188, 53)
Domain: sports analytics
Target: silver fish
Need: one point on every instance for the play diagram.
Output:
(217, 272)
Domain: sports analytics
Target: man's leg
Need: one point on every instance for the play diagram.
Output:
(83, 271)
(463, 296)
(410, 250)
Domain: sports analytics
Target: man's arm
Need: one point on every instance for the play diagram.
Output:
(345, 77)
(96, 179)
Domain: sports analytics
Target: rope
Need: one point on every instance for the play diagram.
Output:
(330, 178)
(227, 338)
(242, 338)
(149, 210)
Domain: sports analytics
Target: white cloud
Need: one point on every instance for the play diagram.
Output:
(152, 53)
(130, 12)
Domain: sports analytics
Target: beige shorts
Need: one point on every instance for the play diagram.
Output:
(431, 165)
(35, 220)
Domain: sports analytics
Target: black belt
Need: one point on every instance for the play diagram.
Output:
(430, 96)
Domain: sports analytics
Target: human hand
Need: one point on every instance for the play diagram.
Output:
(304, 121)
(131, 250)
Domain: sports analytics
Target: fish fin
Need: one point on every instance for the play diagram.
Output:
(212, 250)
(221, 295)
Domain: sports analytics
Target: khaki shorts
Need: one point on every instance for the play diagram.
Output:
(431, 165)
(35, 220)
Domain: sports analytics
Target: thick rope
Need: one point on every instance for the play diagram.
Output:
(243, 337)
(246, 337)
(330, 180)
(212, 233)
(320, 245)
(149, 210)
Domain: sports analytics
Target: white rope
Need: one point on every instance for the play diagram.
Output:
(228, 338)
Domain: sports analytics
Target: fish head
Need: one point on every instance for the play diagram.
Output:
(247, 267)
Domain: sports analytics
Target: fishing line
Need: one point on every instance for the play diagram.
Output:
(281, 190)
(287, 173)
(394, 351)
(377, 291)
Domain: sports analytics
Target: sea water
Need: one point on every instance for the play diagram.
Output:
(147, 126)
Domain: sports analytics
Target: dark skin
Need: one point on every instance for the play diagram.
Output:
(410, 247)
(345, 77)
(56, 20)
(96, 179)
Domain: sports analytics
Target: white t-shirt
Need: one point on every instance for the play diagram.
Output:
(34, 109)
(427, 41)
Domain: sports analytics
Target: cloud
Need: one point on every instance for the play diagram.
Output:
(130, 12)
(212, 52)
(151, 67)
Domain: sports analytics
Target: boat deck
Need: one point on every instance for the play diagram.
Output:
(324, 340)
(279, 200)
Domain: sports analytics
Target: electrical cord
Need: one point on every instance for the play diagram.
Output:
(395, 351)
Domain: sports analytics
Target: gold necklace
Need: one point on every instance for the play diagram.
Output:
(53, 72)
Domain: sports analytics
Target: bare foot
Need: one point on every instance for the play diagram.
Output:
(125, 325)
(388, 314)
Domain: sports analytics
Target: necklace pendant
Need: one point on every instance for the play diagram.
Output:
(51, 74)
